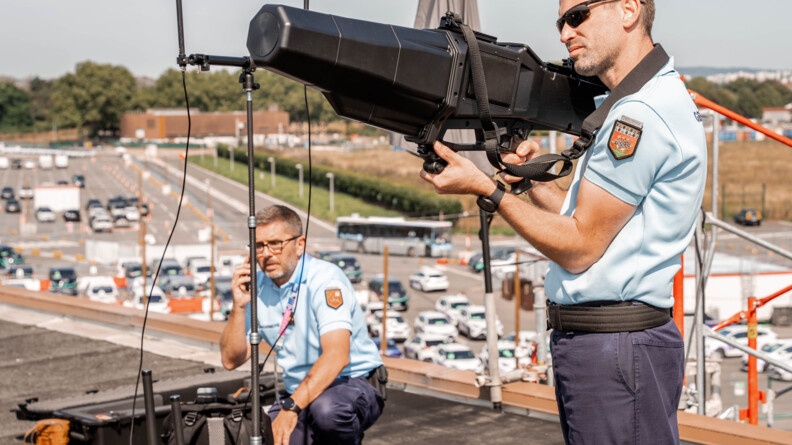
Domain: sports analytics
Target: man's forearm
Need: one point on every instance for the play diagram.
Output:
(234, 346)
(547, 196)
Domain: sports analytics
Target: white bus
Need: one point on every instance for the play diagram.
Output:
(402, 236)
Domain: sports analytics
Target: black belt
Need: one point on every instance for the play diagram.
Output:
(603, 317)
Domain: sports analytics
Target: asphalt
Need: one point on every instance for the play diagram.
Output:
(40, 357)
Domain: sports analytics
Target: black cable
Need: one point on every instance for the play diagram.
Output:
(164, 251)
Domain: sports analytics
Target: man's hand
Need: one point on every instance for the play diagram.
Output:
(460, 176)
(526, 151)
(240, 284)
(283, 426)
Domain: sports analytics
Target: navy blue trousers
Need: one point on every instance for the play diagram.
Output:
(619, 388)
(338, 416)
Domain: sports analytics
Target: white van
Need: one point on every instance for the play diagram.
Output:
(3, 163)
(45, 162)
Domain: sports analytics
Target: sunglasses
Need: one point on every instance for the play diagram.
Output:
(577, 14)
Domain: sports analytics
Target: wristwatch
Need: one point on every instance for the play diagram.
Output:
(490, 203)
(289, 405)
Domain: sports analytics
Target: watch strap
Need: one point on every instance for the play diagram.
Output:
(490, 203)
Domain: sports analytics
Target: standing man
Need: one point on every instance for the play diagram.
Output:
(615, 237)
(308, 312)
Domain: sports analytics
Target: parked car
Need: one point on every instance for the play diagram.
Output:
(429, 279)
(63, 280)
(26, 192)
(473, 323)
(72, 215)
(476, 262)
(177, 285)
(719, 350)
(158, 301)
(223, 295)
(6, 193)
(451, 305)
(200, 269)
(101, 222)
(391, 348)
(169, 267)
(20, 271)
(78, 180)
(435, 322)
(16, 164)
(12, 206)
(748, 217)
(9, 256)
(396, 328)
(779, 350)
(104, 291)
(348, 263)
(422, 346)
(45, 214)
(397, 295)
(92, 203)
(507, 357)
(457, 356)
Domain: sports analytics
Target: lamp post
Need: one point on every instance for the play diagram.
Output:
(299, 168)
(272, 171)
(330, 176)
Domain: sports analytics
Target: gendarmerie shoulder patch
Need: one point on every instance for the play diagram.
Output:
(333, 298)
(625, 137)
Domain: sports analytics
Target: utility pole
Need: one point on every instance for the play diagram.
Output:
(517, 304)
(385, 299)
(142, 234)
(210, 213)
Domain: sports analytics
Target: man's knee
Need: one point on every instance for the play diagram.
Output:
(327, 413)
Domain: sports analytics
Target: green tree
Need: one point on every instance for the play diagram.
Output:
(93, 98)
(40, 95)
(15, 108)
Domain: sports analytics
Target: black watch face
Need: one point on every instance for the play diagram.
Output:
(486, 204)
(287, 404)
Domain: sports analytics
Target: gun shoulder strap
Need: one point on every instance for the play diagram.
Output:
(538, 169)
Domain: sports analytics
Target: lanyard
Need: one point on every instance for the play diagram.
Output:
(288, 313)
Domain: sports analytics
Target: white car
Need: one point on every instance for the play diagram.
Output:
(422, 346)
(104, 291)
(457, 356)
(780, 350)
(101, 222)
(451, 305)
(26, 192)
(435, 322)
(739, 333)
(526, 345)
(158, 300)
(473, 323)
(396, 328)
(507, 357)
(45, 214)
(429, 279)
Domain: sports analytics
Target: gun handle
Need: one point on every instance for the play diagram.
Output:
(521, 186)
(432, 163)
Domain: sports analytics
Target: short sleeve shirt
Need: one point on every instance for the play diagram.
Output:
(664, 179)
(326, 302)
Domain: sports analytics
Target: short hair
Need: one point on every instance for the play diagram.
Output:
(279, 213)
(648, 15)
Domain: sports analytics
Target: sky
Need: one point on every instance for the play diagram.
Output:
(48, 38)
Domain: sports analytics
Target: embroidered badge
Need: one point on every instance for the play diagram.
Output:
(333, 298)
(625, 137)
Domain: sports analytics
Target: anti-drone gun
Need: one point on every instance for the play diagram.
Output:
(419, 82)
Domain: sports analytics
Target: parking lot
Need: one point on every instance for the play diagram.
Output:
(108, 174)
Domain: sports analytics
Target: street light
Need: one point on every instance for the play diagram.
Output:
(272, 171)
(330, 176)
(299, 168)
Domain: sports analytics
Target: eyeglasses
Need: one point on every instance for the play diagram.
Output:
(577, 14)
(274, 246)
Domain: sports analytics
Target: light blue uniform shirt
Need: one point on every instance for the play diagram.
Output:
(313, 317)
(664, 179)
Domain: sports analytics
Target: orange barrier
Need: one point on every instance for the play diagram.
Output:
(120, 282)
(185, 305)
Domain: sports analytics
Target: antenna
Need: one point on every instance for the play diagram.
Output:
(181, 59)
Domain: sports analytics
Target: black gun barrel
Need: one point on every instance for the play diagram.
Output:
(414, 81)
